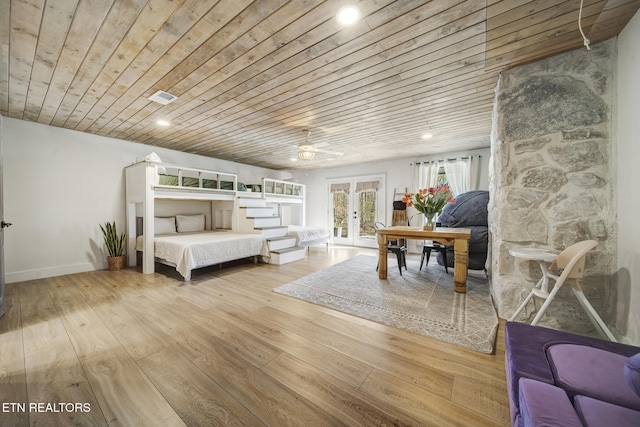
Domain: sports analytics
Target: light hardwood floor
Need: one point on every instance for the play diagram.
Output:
(225, 350)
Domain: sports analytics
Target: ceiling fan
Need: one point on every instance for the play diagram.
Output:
(307, 150)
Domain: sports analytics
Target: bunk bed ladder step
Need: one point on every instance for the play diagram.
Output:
(257, 215)
(287, 255)
(259, 211)
(277, 243)
(265, 221)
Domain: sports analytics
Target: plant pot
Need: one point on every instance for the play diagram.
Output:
(116, 262)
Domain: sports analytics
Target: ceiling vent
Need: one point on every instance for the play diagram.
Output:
(162, 97)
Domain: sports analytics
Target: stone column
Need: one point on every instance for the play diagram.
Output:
(552, 178)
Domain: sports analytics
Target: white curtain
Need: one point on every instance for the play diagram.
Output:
(426, 175)
(462, 174)
(474, 172)
(457, 171)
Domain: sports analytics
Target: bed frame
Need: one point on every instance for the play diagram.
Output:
(281, 193)
(290, 193)
(187, 274)
(147, 182)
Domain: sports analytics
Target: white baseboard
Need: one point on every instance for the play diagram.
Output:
(41, 273)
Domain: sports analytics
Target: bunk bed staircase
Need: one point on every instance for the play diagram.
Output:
(254, 215)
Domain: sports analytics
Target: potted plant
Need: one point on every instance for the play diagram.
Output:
(115, 246)
(337, 228)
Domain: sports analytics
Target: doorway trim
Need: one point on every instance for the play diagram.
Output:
(353, 215)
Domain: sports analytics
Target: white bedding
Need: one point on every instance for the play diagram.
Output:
(307, 235)
(188, 251)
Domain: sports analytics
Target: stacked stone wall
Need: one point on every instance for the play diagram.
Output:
(552, 178)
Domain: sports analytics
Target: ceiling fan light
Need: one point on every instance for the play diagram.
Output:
(306, 155)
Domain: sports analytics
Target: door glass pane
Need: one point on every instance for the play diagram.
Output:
(367, 209)
(340, 214)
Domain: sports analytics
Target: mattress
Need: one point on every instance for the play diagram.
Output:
(187, 251)
(307, 235)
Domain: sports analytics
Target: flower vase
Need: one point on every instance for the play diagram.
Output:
(429, 221)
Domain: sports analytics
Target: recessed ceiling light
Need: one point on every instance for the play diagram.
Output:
(293, 159)
(348, 15)
(163, 123)
(427, 136)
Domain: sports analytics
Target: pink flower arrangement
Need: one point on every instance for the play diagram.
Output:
(429, 201)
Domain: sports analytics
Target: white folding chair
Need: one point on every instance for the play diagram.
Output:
(571, 262)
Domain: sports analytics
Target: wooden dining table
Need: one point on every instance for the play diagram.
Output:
(449, 236)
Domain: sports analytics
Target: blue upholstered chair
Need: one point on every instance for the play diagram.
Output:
(469, 211)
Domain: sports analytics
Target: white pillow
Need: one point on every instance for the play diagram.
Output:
(190, 223)
(164, 225)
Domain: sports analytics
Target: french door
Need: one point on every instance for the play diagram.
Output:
(355, 205)
(2, 227)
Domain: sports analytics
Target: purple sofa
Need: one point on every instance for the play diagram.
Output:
(556, 378)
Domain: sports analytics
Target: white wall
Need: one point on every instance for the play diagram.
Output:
(628, 146)
(60, 184)
(398, 175)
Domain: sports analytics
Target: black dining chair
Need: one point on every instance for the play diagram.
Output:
(397, 247)
(427, 247)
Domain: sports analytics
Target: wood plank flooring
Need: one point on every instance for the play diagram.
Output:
(136, 350)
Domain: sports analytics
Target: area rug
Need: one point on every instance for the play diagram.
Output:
(422, 302)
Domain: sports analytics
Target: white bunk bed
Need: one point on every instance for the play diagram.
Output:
(290, 193)
(283, 191)
(149, 182)
(278, 193)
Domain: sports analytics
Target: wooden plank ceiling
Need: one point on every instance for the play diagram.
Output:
(251, 76)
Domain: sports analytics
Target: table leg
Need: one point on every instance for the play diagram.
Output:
(461, 252)
(382, 257)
